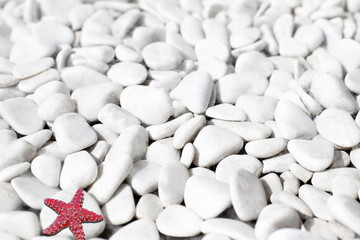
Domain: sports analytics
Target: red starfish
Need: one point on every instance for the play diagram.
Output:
(71, 215)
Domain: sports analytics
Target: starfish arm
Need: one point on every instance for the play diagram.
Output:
(56, 205)
(59, 224)
(78, 198)
(89, 216)
(77, 229)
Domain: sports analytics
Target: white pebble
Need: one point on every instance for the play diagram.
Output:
(149, 207)
(127, 73)
(341, 50)
(29, 85)
(49, 88)
(294, 234)
(300, 172)
(254, 61)
(142, 229)
(29, 69)
(54, 106)
(9, 198)
(290, 47)
(13, 171)
(346, 184)
(188, 131)
(46, 169)
(309, 35)
(187, 155)
(161, 56)
(22, 224)
(226, 111)
(257, 108)
(291, 183)
(126, 53)
(291, 200)
(53, 31)
(100, 53)
(162, 152)
(272, 184)
(265, 148)
(278, 164)
(191, 30)
(105, 133)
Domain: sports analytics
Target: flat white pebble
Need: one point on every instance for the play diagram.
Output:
(257, 108)
(127, 73)
(49, 88)
(187, 154)
(254, 61)
(291, 200)
(272, 184)
(309, 35)
(342, 48)
(188, 131)
(162, 152)
(29, 85)
(206, 47)
(53, 32)
(278, 164)
(320, 227)
(226, 111)
(346, 184)
(142, 229)
(161, 56)
(149, 206)
(300, 172)
(29, 69)
(54, 106)
(295, 234)
(201, 171)
(206, 196)
(127, 54)
(22, 224)
(213, 143)
(46, 169)
(265, 148)
(38, 139)
(178, 221)
(99, 53)
(9, 198)
(8, 173)
(352, 81)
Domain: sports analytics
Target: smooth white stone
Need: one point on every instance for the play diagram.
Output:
(331, 92)
(244, 37)
(291, 200)
(278, 164)
(144, 177)
(53, 32)
(233, 163)
(247, 195)
(178, 221)
(316, 200)
(170, 11)
(47, 215)
(52, 149)
(290, 182)
(80, 76)
(96, 65)
(265, 148)
(120, 208)
(320, 227)
(340, 230)
(355, 156)
(226, 111)
(274, 217)
(99, 150)
(215, 29)
(300, 172)
(161, 56)
(345, 210)
(31, 191)
(92, 98)
(213, 48)
(194, 91)
(142, 229)
(149, 207)
(254, 61)
(341, 159)
(201, 171)
(54, 106)
(164, 79)
(25, 120)
(29, 85)
(46, 169)
(8, 80)
(177, 41)
(125, 22)
(100, 53)
(8, 236)
(10, 201)
(143, 102)
(172, 178)
(279, 83)
(127, 53)
(314, 155)
(58, 8)
(215, 236)
(49, 88)
(292, 96)
(93, 38)
(29, 48)
(32, 68)
(294, 234)
(105, 133)
(162, 152)
(187, 154)
(167, 129)
(188, 131)
(346, 184)
(213, 143)
(257, 108)
(249, 131)
(233, 85)
(38, 139)
(343, 48)
(117, 118)
(79, 171)
(143, 36)
(78, 14)
(206, 196)
(283, 26)
(22, 224)
(323, 61)
(324, 179)
(309, 35)
(290, 47)
(338, 127)
(191, 29)
(352, 81)
(73, 133)
(11, 172)
(232, 228)
(214, 66)
(293, 122)
(272, 184)
(127, 73)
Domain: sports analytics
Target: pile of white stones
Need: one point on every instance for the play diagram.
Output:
(196, 119)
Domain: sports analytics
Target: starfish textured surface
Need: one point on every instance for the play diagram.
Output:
(71, 215)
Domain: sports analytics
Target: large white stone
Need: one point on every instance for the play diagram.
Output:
(254, 61)
(142, 229)
(23, 224)
(161, 56)
(257, 108)
(10, 201)
(31, 68)
(149, 207)
(47, 169)
(188, 131)
(54, 106)
(294, 234)
(265, 148)
(162, 152)
(342, 49)
(127, 73)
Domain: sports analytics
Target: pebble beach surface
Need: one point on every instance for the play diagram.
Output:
(181, 119)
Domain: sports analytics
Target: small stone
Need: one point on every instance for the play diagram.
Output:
(187, 154)
(346, 184)
(25, 120)
(188, 131)
(278, 164)
(78, 14)
(279, 83)
(53, 32)
(254, 61)
(343, 48)
(149, 207)
(206, 196)
(127, 73)
(272, 184)
(207, 150)
(244, 37)
(31, 191)
(191, 30)
(316, 200)
(54, 106)
(201, 171)
(309, 35)
(162, 152)
(120, 208)
(215, 236)
(142, 229)
(10, 201)
(73, 133)
(233, 85)
(293, 122)
(214, 66)
(294, 234)
(79, 171)
(105, 133)
(232, 228)
(172, 179)
(49, 88)
(290, 47)
(206, 48)
(38, 139)
(178, 221)
(331, 65)
(226, 111)
(22, 224)
(32, 68)
(29, 85)
(161, 56)
(290, 200)
(233, 163)
(320, 227)
(13, 171)
(274, 217)
(291, 183)
(257, 108)
(144, 177)
(164, 79)
(99, 150)
(46, 169)
(352, 81)
(247, 195)
(194, 91)
(143, 102)
(314, 155)
(338, 127)
(300, 172)
(265, 148)
(126, 53)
